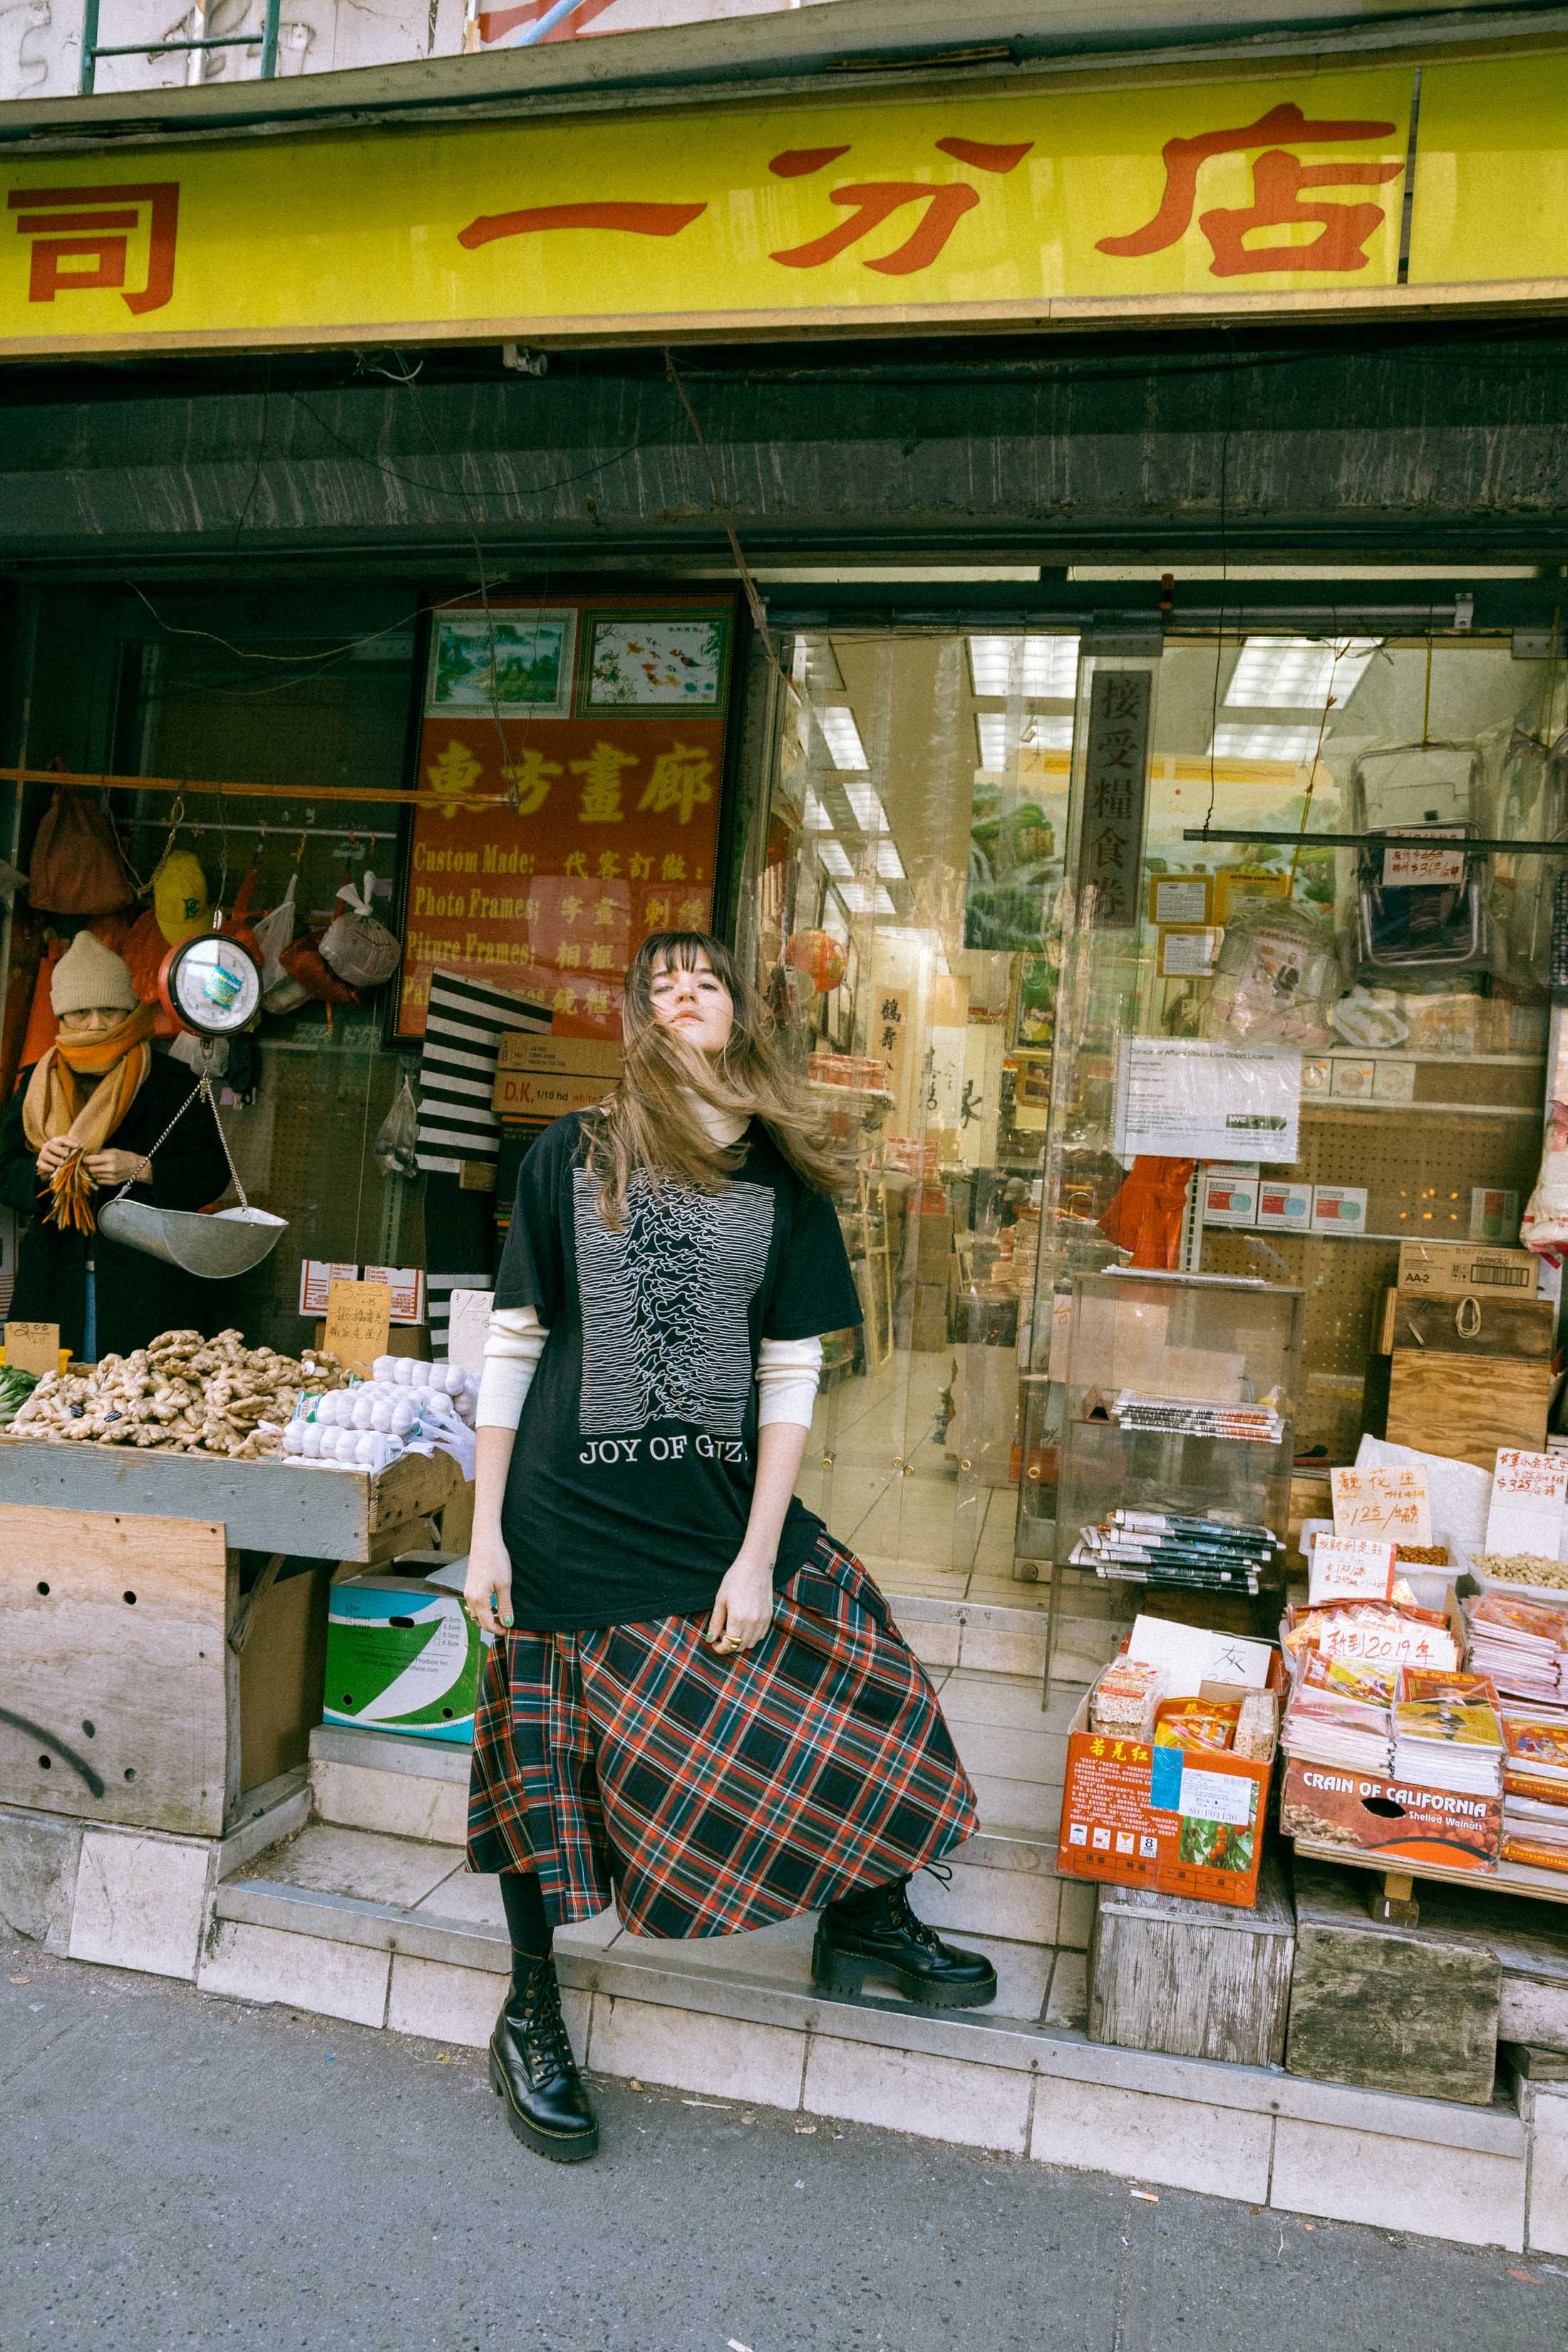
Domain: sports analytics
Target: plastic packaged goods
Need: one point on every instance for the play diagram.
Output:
(1256, 1729)
(1195, 1722)
(1276, 978)
(1125, 1698)
(356, 945)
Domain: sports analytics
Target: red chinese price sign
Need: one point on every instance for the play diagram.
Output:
(1350, 1567)
(570, 763)
(1525, 1512)
(1385, 1503)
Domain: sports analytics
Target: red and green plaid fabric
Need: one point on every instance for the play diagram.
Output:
(718, 1793)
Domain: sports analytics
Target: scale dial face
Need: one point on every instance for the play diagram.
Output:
(212, 984)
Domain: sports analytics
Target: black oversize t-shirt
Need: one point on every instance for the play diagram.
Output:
(632, 1473)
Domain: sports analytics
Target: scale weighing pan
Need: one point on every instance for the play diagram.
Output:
(229, 1242)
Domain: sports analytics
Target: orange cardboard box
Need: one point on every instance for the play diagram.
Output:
(1180, 1820)
(1360, 1810)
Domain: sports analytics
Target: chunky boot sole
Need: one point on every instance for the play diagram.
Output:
(560, 2148)
(844, 1975)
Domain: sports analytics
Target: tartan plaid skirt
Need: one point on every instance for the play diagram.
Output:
(709, 1794)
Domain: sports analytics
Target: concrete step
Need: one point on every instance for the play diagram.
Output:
(390, 1931)
(1004, 1879)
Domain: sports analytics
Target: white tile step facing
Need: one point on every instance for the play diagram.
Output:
(746, 2027)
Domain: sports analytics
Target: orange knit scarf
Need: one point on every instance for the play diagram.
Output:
(54, 1104)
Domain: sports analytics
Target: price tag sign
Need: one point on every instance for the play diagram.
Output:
(1525, 1513)
(468, 1328)
(1411, 862)
(1350, 1567)
(1388, 1503)
(33, 1347)
(358, 1319)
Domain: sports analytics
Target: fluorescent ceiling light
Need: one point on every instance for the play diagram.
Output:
(842, 736)
(860, 898)
(818, 819)
(1155, 570)
(1035, 734)
(1045, 668)
(889, 865)
(834, 856)
(1298, 673)
(1245, 740)
(869, 814)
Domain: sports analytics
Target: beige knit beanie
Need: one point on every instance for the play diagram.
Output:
(89, 975)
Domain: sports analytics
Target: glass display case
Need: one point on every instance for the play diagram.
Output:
(1178, 1421)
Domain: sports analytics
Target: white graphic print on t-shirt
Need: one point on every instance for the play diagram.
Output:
(664, 1304)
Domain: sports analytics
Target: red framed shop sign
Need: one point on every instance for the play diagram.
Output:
(570, 768)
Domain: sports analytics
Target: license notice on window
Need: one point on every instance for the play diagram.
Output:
(1184, 1100)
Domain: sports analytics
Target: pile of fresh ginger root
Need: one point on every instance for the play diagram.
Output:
(194, 1395)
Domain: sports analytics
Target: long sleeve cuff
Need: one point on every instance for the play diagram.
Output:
(788, 1372)
(513, 1345)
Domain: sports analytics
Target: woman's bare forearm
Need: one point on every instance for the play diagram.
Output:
(781, 1449)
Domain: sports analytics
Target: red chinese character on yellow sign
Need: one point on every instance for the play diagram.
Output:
(95, 225)
(1278, 183)
(869, 203)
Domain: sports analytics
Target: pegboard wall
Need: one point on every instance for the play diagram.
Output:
(1420, 1167)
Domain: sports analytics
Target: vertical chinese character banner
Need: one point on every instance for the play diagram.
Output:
(1115, 788)
(570, 761)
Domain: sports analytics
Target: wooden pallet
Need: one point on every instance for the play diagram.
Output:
(1396, 1905)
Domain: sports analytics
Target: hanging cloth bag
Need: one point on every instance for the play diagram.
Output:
(76, 868)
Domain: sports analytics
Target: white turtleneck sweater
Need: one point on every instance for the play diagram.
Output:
(787, 1369)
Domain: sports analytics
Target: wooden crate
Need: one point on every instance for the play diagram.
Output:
(1410, 2010)
(1194, 1979)
(138, 1683)
(1466, 1405)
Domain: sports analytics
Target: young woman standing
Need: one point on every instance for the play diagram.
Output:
(696, 1699)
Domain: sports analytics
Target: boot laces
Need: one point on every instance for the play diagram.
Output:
(911, 1924)
(541, 2030)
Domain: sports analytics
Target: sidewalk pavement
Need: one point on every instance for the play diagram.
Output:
(181, 2172)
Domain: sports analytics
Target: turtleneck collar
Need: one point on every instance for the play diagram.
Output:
(725, 1127)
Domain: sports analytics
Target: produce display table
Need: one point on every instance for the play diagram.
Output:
(140, 1683)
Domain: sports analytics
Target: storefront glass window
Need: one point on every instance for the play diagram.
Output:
(966, 924)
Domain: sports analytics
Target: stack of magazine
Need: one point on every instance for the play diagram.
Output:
(1446, 1734)
(1520, 1646)
(1535, 1788)
(1340, 1715)
(1174, 1547)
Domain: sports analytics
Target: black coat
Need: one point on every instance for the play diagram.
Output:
(138, 1295)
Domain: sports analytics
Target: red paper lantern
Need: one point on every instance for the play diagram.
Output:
(819, 955)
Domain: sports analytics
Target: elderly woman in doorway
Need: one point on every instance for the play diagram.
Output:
(85, 1119)
(696, 1698)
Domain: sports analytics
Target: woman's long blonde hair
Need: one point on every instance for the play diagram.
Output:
(651, 1120)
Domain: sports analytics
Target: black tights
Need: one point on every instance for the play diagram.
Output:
(527, 1921)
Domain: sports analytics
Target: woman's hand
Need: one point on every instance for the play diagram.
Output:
(486, 1588)
(117, 1167)
(53, 1155)
(743, 1609)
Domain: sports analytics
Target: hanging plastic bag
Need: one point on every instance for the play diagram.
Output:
(357, 947)
(1276, 974)
(398, 1135)
(272, 934)
(76, 868)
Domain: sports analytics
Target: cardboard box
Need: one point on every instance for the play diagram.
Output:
(1283, 1205)
(932, 1244)
(402, 1655)
(1180, 1820)
(928, 1328)
(546, 1056)
(1230, 1200)
(1452, 1269)
(1368, 1814)
(1339, 1210)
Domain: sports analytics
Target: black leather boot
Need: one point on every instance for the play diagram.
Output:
(533, 2072)
(877, 1935)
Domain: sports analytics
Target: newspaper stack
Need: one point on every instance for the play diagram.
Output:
(1174, 1547)
(1192, 1417)
(1535, 1788)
